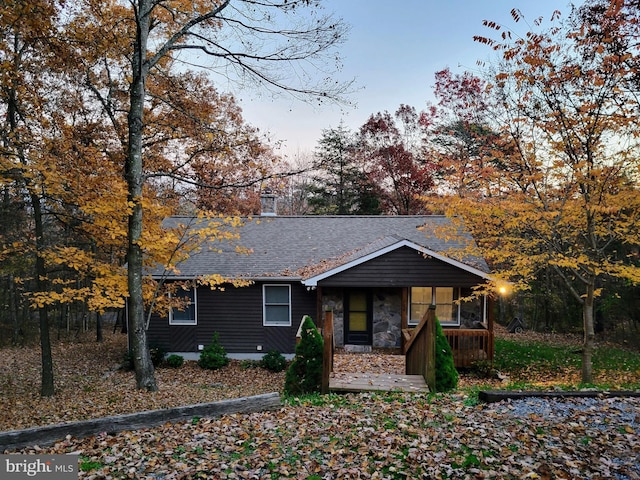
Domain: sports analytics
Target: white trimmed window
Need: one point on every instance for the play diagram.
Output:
(445, 300)
(188, 313)
(276, 305)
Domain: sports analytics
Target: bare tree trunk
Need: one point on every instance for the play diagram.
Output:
(13, 309)
(589, 333)
(99, 337)
(138, 347)
(46, 386)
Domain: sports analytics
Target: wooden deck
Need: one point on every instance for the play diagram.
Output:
(376, 382)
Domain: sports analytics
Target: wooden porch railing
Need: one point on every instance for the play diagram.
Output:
(470, 345)
(419, 348)
(327, 354)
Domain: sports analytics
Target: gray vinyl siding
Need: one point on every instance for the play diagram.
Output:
(236, 315)
(403, 267)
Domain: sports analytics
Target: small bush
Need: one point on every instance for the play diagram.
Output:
(175, 361)
(304, 375)
(274, 361)
(157, 356)
(446, 373)
(214, 356)
(248, 364)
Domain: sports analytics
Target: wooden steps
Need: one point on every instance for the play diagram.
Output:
(376, 382)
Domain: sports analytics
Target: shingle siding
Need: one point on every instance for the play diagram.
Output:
(236, 315)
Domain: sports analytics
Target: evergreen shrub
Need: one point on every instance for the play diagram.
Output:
(214, 356)
(274, 361)
(175, 361)
(157, 357)
(304, 375)
(446, 373)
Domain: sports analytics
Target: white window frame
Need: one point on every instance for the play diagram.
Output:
(173, 321)
(456, 292)
(266, 323)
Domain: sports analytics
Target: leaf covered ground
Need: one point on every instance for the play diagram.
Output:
(366, 435)
(90, 383)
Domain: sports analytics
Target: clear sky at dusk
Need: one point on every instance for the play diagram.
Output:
(392, 51)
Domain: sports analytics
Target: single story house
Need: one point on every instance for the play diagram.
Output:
(378, 274)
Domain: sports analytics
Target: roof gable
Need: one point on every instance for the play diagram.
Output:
(313, 281)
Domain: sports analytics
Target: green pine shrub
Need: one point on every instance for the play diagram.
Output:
(175, 361)
(304, 375)
(214, 356)
(274, 361)
(446, 373)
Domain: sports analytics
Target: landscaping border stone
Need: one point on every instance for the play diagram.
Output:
(50, 434)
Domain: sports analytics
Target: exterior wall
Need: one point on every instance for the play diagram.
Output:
(236, 315)
(403, 267)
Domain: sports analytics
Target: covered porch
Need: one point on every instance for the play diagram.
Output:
(354, 372)
(382, 324)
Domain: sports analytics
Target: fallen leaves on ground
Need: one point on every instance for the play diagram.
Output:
(372, 435)
(89, 383)
(369, 435)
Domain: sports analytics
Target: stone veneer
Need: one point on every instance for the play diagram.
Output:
(387, 316)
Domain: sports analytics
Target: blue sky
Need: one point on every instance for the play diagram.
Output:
(392, 51)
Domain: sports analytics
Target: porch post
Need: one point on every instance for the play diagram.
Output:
(490, 312)
(327, 352)
(490, 321)
(430, 362)
(404, 321)
(319, 318)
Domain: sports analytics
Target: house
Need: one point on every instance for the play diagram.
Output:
(378, 274)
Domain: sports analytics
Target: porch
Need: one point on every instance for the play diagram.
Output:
(375, 371)
(353, 372)
(349, 373)
(470, 345)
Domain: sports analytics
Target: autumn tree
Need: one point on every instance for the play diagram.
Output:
(392, 147)
(88, 91)
(262, 41)
(567, 196)
(27, 51)
(461, 135)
